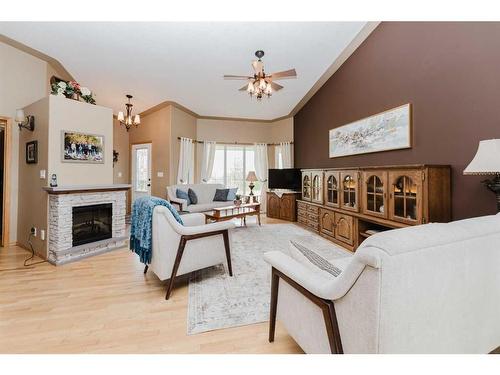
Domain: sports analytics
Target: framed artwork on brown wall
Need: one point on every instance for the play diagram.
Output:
(32, 152)
(388, 130)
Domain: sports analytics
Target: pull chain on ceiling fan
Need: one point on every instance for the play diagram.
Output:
(262, 84)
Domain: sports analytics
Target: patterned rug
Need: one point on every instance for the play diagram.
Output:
(218, 301)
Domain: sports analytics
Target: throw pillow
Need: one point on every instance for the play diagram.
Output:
(182, 195)
(192, 196)
(221, 195)
(312, 260)
(231, 196)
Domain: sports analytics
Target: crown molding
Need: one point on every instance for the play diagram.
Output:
(58, 67)
(348, 51)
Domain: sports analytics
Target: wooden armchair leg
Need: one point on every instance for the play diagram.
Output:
(146, 269)
(274, 304)
(180, 251)
(225, 235)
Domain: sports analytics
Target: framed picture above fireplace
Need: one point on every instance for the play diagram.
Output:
(82, 147)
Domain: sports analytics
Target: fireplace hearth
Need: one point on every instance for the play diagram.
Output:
(92, 223)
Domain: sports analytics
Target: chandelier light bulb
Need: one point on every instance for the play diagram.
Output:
(262, 84)
(250, 87)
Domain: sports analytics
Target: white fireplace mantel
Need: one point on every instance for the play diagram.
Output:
(85, 188)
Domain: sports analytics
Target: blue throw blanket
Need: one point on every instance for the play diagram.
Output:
(141, 238)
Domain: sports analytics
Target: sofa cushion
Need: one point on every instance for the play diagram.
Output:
(231, 195)
(204, 207)
(182, 195)
(204, 192)
(313, 260)
(192, 196)
(221, 195)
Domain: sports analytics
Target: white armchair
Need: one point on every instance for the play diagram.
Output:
(432, 288)
(180, 249)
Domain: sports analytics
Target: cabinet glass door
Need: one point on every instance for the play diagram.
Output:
(375, 193)
(405, 197)
(332, 189)
(316, 188)
(349, 191)
(306, 187)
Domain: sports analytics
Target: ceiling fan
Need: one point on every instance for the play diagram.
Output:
(260, 83)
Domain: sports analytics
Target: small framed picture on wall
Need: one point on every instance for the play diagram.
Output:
(32, 152)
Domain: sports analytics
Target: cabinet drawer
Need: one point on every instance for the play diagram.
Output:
(313, 225)
(301, 212)
(302, 220)
(301, 205)
(313, 217)
(313, 209)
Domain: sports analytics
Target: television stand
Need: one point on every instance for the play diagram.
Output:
(281, 204)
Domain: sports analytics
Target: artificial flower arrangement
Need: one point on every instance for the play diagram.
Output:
(72, 89)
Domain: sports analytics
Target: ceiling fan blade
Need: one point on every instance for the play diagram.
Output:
(244, 88)
(257, 66)
(275, 86)
(229, 76)
(286, 74)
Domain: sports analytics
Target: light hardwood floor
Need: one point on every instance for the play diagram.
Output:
(105, 304)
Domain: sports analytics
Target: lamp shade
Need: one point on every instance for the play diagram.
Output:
(251, 177)
(487, 158)
(137, 119)
(120, 116)
(20, 115)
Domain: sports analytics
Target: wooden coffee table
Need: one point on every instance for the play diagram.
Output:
(232, 212)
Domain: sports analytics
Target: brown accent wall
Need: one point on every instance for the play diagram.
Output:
(450, 74)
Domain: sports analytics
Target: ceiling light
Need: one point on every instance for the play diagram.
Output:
(128, 120)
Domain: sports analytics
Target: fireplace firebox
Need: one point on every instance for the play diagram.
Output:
(92, 223)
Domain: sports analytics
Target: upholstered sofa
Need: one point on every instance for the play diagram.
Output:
(204, 192)
(432, 288)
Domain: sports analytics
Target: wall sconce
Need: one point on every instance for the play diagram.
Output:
(27, 122)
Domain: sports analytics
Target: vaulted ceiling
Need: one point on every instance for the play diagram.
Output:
(185, 62)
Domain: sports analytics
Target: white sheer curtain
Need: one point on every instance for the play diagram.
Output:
(286, 154)
(185, 173)
(260, 161)
(207, 161)
(283, 155)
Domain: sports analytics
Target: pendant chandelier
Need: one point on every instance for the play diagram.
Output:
(128, 120)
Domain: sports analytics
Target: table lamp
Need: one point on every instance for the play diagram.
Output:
(251, 177)
(487, 162)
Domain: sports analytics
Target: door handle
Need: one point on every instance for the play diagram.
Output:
(148, 185)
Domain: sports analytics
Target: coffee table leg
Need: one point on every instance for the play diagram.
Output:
(258, 217)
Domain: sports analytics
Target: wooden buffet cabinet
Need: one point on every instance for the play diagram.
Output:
(348, 205)
(282, 206)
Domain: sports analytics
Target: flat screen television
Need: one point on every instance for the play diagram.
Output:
(289, 179)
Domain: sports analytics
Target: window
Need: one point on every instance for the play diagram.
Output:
(231, 167)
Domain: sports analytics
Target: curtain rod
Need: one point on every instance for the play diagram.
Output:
(234, 143)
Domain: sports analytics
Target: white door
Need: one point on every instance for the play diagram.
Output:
(141, 170)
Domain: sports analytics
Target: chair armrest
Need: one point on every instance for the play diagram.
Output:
(318, 285)
(181, 203)
(190, 220)
(205, 228)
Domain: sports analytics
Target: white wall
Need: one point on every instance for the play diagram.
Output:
(23, 80)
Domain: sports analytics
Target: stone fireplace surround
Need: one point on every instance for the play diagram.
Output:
(61, 202)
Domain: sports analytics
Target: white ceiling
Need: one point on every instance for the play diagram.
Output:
(184, 62)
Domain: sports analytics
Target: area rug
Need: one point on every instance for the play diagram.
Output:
(218, 301)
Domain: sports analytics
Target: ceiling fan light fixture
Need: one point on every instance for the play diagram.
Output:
(260, 83)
